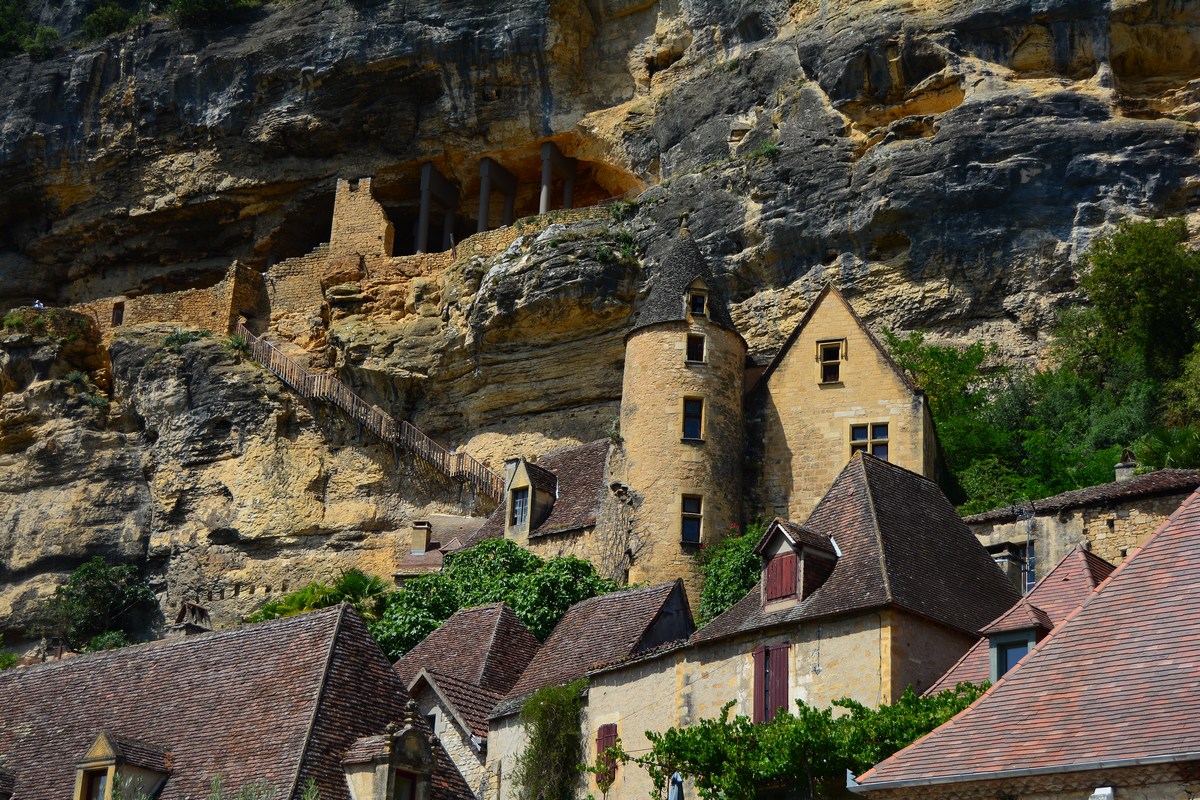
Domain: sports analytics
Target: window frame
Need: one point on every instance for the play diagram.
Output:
(687, 517)
(693, 295)
(836, 363)
(873, 441)
(525, 494)
(703, 341)
(999, 642)
(698, 417)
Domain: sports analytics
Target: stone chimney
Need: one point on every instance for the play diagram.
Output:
(422, 533)
(192, 618)
(1124, 470)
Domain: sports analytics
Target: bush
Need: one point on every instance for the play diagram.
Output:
(175, 341)
(107, 19)
(367, 593)
(97, 401)
(238, 344)
(96, 599)
(77, 378)
(15, 29)
(729, 569)
(41, 44)
(107, 641)
(7, 661)
(766, 149)
(207, 13)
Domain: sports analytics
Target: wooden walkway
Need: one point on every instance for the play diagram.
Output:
(328, 389)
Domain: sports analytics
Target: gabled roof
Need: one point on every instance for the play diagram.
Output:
(597, 631)
(485, 646)
(579, 475)
(1115, 683)
(279, 701)
(795, 535)
(831, 292)
(140, 754)
(1021, 617)
(901, 545)
(669, 284)
(1152, 484)
(468, 703)
(1060, 591)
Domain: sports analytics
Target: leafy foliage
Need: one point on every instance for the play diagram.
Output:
(496, 570)
(96, 599)
(729, 759)
(107, 641)
(175, 340)
(1165, 448)
(107, 18)
(728, 570)
(7, 660)
(549, 766)
(367, 593)
(207, 13)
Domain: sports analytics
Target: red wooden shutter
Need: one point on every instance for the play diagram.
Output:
(778, 690)
(781, 577)
(606, 737)
(760, 684)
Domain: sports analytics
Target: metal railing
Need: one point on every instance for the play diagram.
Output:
(326, 388)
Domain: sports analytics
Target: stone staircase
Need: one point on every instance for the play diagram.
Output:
(328, 389)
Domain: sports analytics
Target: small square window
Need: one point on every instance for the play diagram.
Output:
(520, 506)
(829, 354)
(695, 347)
(693, 418)
(870, 438)
(95, 784)
(698, 304)
(692, 517)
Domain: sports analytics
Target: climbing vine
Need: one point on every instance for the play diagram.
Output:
(549, 767)
(729, 570)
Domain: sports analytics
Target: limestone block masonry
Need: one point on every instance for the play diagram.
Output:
(660, 464)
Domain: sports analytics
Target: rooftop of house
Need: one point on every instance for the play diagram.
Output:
(1062, 590)
(1114, 684)
(448, 534)
(602, 630)
(579, 483)
(902, 545)
(1162, 482)
(280, 702)
(485, 646)
(667, 288)
(469, 703)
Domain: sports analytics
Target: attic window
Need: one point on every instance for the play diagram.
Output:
(830, 355)
(520, 507)
(698, 303)
(95, 784)
(781, 577)
(1007, 649)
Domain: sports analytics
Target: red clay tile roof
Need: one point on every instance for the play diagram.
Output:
(1021, 617)
(366, 749)
(467, 701)
(1164, 481)
(599, 631)
(278, 702)
(1060, 591)
(581, 490)
(902, 544)
(485, 646)
(1116, 681)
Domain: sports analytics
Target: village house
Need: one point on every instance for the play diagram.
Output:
(1104, 705)
(1110, 520)
(275, 705)
(460, 672)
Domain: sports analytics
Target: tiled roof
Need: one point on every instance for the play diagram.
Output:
(277, 702)
(798, 534)
(1114, 683)
(822, 296)
(579, 472)
(1164, 481)
(902, 544)
(542, 479)
(596, 631)
(485, 646)
(420, 563)
(142, 754)
(1060, 591)
(447, 534)
(1021, 617)
(468, 701)
(667, 288)
(366, 749)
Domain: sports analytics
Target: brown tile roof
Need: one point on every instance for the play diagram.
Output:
(278, 702)
(142, 754)
(366, 749)
(798, 534)
(1164, 481)
(901, 544)
(420, 563)
(1115, 682)
(484, 646)
(581, 489)
(1060, 591)
(597, 631)
(1021, 617)
(468, 702)
(447, 534)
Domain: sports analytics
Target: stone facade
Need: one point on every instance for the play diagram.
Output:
(467, 757)
(806, 423)
(661, 464)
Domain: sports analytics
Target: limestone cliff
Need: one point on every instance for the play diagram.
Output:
(944, 162)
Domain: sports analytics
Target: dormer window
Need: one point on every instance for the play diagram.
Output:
(1009, 648)
(698, 303)
(119, 765)
(796, 562)
(520, 507)
(95, 784)
(781, 577)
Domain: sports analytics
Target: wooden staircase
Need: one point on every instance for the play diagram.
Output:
(328, 389)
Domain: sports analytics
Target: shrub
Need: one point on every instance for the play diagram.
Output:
(7, 660)
(105, 20)
(766, 149)
(15, 27)
(175, 341)
(97, 401)
(107, 641)
(96, 599)
(77, 378)
(238, 344)
(729, 569)
(41, 44)
(367, 593)
(207, 13)
(622, 210)
(549, 766)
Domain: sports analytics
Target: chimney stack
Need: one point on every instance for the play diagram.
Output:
(422, 532)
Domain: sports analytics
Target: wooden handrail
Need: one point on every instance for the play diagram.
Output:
(326, 388)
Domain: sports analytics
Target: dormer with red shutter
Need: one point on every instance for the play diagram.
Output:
(796, 561)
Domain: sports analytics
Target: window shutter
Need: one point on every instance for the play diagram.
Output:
(606, 737)
(760, 679)
(779, 679)
(781, 577)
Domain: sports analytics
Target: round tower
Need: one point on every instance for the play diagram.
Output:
(681, 419)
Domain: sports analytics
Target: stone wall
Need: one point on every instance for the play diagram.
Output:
(806, 424)
(1111, 531)
(360, 225)
(922, 651)
(457, 742)
(659, 466)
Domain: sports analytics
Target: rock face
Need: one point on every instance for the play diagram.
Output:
(944, 163)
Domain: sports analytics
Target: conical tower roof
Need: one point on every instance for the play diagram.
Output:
(666, 300)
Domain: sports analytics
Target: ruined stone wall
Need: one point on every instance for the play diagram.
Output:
(1112, 532)
(660, 466)
(360, 225)
(806, 424)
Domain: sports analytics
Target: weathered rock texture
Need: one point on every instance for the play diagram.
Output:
(944, 162)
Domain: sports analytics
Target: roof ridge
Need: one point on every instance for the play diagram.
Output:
(485, 662)
(874, 517)
(312, 720)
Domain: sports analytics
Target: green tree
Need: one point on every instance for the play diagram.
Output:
(728, 570)
(7, 660)
(15, 27)
(97, 599)
(495, 570)
(1168, 448)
